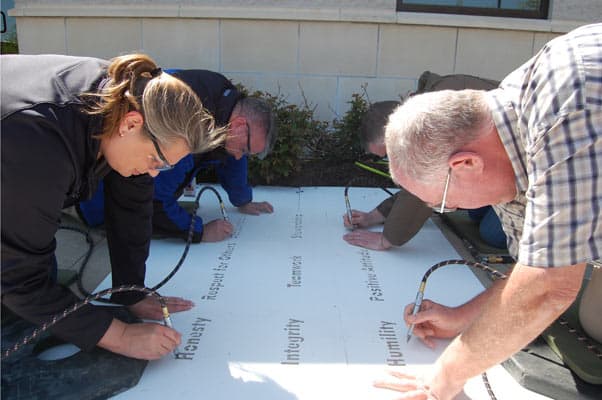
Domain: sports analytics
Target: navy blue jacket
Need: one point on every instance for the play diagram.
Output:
(219, 97)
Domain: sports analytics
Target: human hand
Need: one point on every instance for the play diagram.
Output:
(434, 321)
(361, 219)
(416, 387)
(145, 341)
(256, 208)
(368, 240)
(412, 386)
(150, 308)
(217, 230)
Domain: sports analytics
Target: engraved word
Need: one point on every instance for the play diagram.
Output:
(220, 273)
(376, 293)
(194, 338)
(387, 334)
(293, 350)
(296, 272)
(298, 233)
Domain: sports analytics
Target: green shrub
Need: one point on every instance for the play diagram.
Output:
(295, 125)
(301, 137)
(341, 143)
(9, 45)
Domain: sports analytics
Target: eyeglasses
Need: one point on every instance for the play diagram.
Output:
(247, 149)
(161, 162)
(441, 208)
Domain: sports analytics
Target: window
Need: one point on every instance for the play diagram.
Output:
(495, 8)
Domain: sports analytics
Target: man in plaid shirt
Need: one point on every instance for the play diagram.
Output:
(533, 149)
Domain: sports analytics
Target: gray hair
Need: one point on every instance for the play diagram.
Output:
(260, 113)
(428, 128)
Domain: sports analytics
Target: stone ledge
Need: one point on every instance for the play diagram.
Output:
(294, 14)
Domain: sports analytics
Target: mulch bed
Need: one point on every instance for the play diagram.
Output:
(327, 173)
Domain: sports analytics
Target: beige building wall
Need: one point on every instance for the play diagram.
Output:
(320, 54)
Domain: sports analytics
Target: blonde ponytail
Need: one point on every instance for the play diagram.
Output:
(171, 109)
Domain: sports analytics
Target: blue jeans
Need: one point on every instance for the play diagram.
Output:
(490, 227)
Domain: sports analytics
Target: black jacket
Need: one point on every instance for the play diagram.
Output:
(49, 161)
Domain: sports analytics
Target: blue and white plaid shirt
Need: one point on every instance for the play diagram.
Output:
(548, 114)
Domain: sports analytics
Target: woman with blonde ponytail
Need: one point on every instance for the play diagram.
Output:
(68, 122)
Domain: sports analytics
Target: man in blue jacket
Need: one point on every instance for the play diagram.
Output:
(251, 132)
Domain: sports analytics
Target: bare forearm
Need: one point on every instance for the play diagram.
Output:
(472, 309)
(514, 313)
(112, 340)
(375, 217)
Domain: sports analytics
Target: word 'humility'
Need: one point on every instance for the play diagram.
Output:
(387, 334)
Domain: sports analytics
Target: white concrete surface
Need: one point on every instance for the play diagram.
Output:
(285, 309)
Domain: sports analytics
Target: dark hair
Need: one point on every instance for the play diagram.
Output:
(374, 121)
